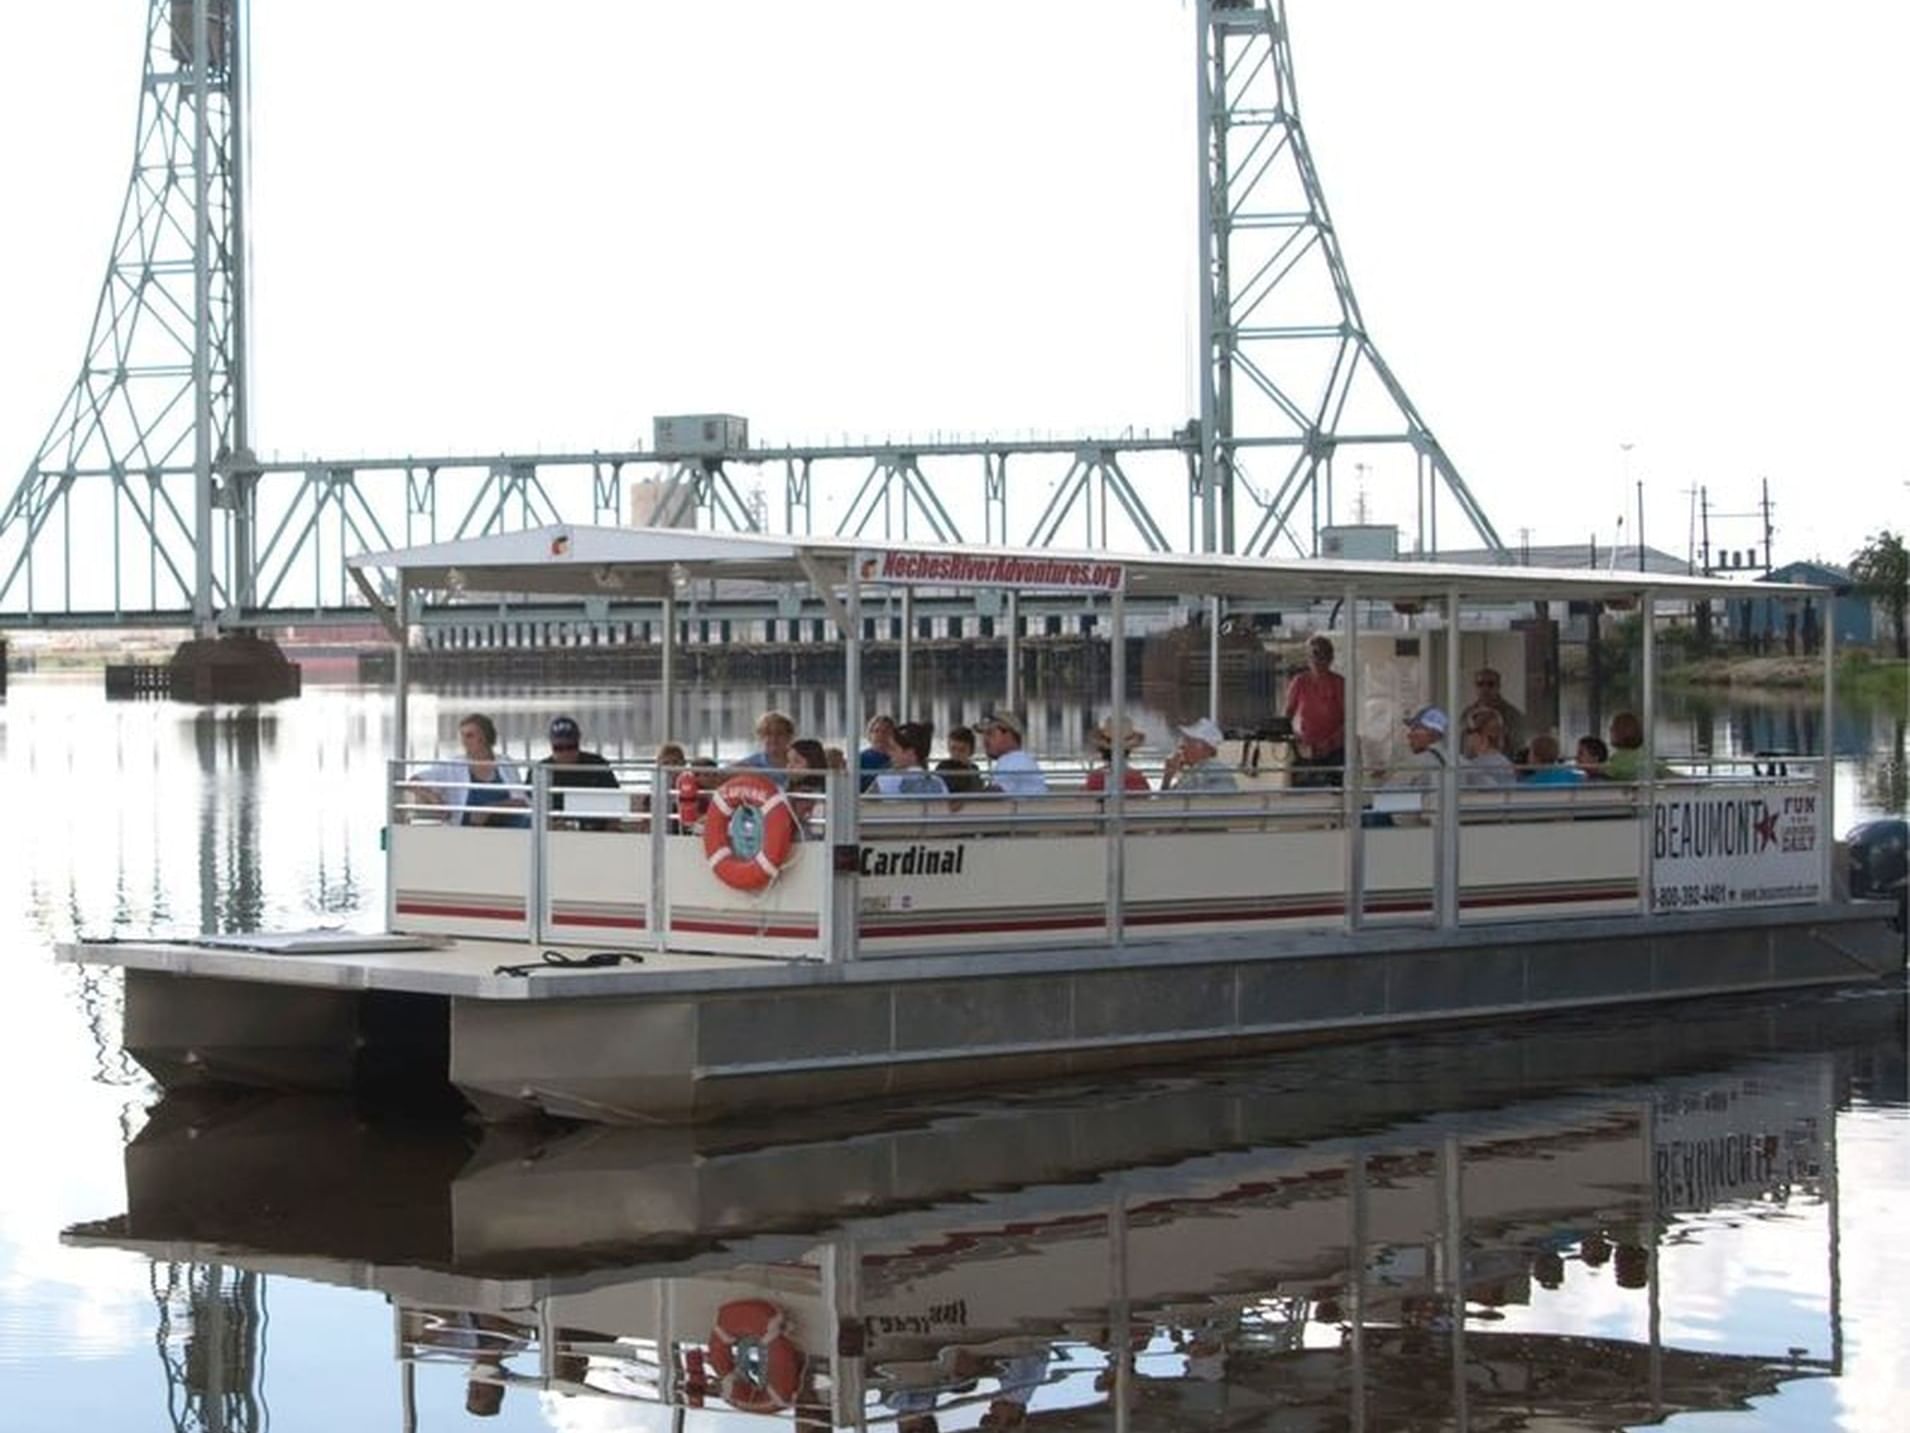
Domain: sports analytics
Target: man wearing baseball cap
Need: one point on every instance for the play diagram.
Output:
(1196, 764)
(1400, 797)
(1014, 771)
(571, 766)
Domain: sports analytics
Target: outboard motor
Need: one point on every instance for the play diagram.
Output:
(1879, 854)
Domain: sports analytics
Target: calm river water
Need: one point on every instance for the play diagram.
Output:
(1692, 1219)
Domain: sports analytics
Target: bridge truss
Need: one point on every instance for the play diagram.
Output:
(145, 505)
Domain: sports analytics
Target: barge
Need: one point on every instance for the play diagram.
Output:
(629, 957)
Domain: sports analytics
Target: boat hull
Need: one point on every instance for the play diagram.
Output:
(659, 1045)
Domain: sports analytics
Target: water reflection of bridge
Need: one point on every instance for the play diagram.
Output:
(1351, 1237)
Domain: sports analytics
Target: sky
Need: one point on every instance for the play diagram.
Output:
(481, 226)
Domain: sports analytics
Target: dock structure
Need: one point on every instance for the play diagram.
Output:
(722, 940)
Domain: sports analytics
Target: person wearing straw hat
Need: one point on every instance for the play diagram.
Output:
(1013, 772)
(1196, 764)
(1102, 738)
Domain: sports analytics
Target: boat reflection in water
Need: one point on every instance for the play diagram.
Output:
(1361, 1236)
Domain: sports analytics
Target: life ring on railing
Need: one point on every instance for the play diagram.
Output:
(749, 832)
(758, 1366)
(689, 800)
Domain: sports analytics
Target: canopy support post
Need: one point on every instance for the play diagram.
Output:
(1116, 804)
(1827, 766)
(668, 674)
(1648, 754)
(401, 670)
(1353, 773)
(1447, 865)
(1014, 651)
(843, 814)
(906, 656)
(852, 672)
(1213, 656)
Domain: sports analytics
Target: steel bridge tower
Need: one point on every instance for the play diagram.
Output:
(1290, 374)
(157, 424)
(161, 392)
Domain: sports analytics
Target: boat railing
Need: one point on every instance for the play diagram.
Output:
(624, 867)
(855, 874)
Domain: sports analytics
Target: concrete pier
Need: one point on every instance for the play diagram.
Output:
(233, 667)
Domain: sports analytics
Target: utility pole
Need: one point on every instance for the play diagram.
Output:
(1641, 524)
(1764, 506)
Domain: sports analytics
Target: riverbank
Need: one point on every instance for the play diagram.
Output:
(1858, 674)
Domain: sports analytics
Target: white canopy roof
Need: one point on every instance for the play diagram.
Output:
(621, 562)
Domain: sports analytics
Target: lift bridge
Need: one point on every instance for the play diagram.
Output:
(152, 450)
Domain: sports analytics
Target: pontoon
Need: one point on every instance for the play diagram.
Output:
(706, 945)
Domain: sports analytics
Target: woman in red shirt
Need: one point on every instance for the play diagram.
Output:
(1316, 704)
(1103, 738)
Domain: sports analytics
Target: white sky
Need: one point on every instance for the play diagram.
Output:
(482, 225)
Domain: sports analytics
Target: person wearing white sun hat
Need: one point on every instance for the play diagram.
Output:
(1196, 764)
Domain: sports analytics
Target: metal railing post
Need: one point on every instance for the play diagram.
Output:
(657, 909)
(394, 777)
(536, 911)
(843, 850)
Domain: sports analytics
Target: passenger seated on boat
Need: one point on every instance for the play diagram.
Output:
(1592, 756)
(1013, 771)
(1627, 761)
(1102, 739)
(1482, 759)
(670, 758)
(774, 732)
(576, 769)
(1196, 764)
(808, 768)
(961, 746)
(962, 778)
(479, 784)
(879, 754)
(908, 773)
(1543, 767)
(1487, 687)
(1404, 785)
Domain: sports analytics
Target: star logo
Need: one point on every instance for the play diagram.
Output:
(1766, 828)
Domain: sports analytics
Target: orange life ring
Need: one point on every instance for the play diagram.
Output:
(757, 1364)
(749, 832)
(689, 800)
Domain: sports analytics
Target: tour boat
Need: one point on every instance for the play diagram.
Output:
(699, 944)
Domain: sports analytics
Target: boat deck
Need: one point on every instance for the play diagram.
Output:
(472, 969)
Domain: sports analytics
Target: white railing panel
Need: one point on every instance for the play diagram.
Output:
(460, 880)
(597, 888)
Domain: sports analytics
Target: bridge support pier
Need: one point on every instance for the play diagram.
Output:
(232, 667)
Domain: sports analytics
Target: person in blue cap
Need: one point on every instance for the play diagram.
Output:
(573, 767)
